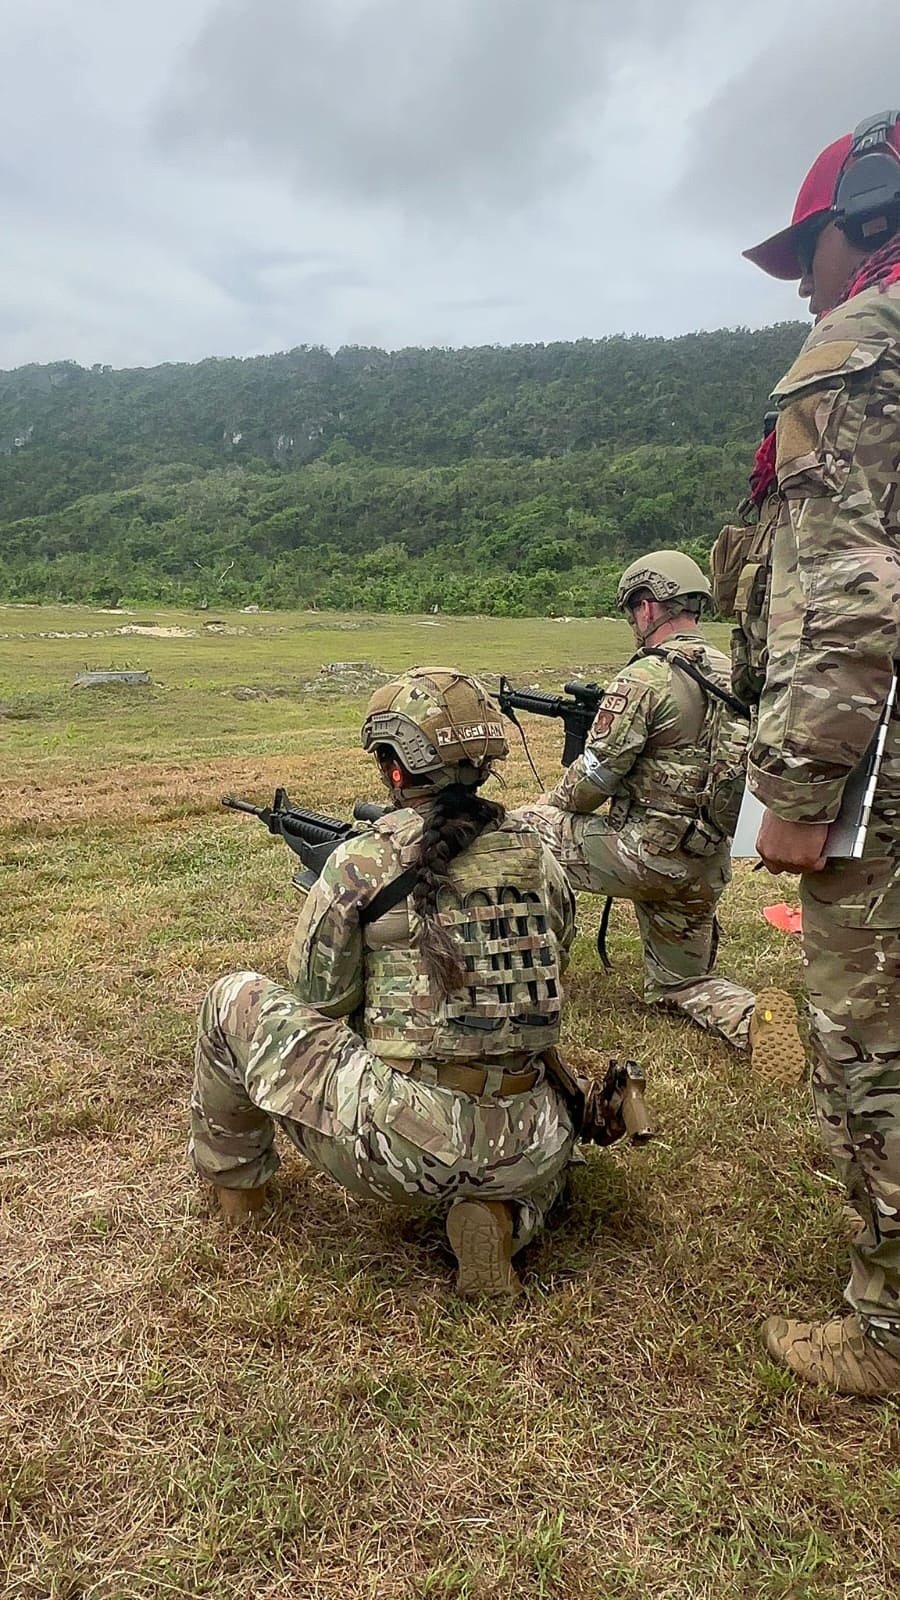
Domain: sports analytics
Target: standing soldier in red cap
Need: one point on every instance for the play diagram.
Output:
(830, 605)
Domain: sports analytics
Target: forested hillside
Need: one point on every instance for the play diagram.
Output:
(506, 480)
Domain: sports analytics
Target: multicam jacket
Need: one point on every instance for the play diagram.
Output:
(507, 903)
(650, 746)
(834, 611)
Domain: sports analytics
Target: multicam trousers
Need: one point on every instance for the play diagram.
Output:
(674, 898)
(264, 1060)
(851, 936)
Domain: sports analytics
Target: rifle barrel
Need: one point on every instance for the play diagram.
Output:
(233, 804)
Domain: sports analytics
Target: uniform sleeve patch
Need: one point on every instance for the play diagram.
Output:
(602, 724)
(830, 359)
(614, 703)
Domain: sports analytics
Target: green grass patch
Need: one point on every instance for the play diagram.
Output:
(308, 1410)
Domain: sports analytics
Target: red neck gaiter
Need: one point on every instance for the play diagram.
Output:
(762, 478)
(882, 268)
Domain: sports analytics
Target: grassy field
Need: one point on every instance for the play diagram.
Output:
(308, 1411)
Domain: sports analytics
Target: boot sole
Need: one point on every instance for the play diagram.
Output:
(480, 1244)
(778, 1054)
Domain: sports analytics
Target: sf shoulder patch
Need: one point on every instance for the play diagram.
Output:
(611, 706)
(614, 703)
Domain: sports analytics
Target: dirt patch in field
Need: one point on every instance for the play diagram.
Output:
(150, 630)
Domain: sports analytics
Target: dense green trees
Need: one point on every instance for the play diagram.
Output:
(507, 480)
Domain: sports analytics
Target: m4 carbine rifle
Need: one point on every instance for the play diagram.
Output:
(576, 708)
(311, 836)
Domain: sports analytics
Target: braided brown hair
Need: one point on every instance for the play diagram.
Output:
(455, 819)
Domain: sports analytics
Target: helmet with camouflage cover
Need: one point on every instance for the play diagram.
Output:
(666, 575)
(442, 725)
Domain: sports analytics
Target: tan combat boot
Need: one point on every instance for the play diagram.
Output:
(836, 1354)
(480, 1234)
(238, 1206)
(776, 1049)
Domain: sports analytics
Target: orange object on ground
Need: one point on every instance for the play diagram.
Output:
(787, 919)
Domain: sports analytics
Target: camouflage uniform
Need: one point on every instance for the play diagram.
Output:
(833, 634)
(647, 752)
(378, 1108)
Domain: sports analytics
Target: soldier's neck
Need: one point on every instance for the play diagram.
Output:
(672, 625)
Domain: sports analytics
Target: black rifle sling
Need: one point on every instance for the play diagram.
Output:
(706, 684)
(602, 931)
(389, 896)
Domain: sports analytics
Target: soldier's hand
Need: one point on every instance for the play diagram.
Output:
(791, 846)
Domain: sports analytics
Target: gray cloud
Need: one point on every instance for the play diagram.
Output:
(753, 142)
(194, 177)
(429, 107)
(257, 277)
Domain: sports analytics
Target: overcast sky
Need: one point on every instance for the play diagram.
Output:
(183, 178)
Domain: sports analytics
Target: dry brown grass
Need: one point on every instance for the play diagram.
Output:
(308, 1411)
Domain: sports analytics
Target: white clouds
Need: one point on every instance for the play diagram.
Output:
(194, 178)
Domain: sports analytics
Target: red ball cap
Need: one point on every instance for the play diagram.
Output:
(778, 255)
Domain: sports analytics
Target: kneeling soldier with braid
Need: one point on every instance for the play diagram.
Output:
(447, 1093)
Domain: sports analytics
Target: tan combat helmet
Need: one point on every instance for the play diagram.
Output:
(666, 575)
(441, 724)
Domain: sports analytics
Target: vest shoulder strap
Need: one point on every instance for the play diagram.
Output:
(388, 896)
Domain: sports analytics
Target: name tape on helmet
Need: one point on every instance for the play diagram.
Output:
(472, 730)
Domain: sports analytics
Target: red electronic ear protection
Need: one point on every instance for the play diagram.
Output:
(866, 201)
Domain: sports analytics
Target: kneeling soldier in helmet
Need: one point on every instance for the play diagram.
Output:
(442, 1097)
(666, 756)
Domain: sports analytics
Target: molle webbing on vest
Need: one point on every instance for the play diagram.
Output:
(493, 907)
(510, 964)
